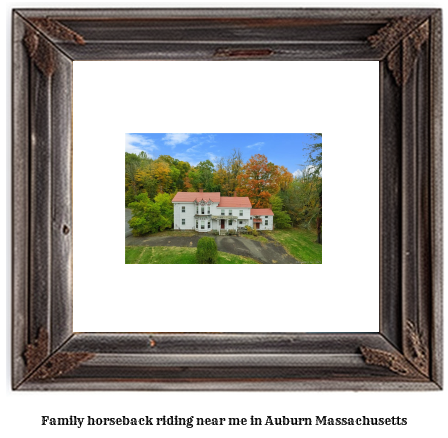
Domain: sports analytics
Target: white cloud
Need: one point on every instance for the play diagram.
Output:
(299, 172)
(188, 139)
(256, 145)
(174, 139)
(136, 143)
(212, 157)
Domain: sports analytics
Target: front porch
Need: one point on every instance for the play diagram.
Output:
(224, 223)
(257, 221)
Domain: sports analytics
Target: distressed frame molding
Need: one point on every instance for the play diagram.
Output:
(406, 354)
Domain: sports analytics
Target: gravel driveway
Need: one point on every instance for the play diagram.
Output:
(270, 252)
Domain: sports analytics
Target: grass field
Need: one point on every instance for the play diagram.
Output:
(142, 255)
(300, 243)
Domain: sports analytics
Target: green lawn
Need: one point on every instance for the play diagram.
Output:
(175, 255)
(258, 238)
(300, 243)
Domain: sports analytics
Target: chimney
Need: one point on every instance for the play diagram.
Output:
(201, 190)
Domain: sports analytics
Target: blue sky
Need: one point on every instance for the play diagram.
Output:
(282, 149)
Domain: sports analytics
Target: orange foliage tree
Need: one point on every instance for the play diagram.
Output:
(285, 178)
(161, 173)
(259, 180)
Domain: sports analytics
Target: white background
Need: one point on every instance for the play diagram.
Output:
(113, 98)
(426, 412)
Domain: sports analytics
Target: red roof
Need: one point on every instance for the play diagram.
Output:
(257, 220)
(235, 201)
(198, 196)
(261, 212)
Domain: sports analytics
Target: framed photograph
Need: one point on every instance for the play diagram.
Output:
(243, 192)
(214, 329)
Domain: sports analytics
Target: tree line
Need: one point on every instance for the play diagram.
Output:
(150, 184)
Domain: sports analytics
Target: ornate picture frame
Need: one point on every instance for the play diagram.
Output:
(406, 353)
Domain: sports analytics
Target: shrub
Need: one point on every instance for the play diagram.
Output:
(207, 251)
(254, 232)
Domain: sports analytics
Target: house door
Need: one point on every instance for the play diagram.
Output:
(257, 225)
(223, 223)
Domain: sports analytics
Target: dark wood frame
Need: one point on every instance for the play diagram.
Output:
(406, 354)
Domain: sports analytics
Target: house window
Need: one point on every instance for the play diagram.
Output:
(202, 225)
(196, 224)
(197, 209)
(208, 224)
(208, 209)
(266, 217)
(230, 212)
(202, 210)
(183, 208)
(230, 221)
(265, 222)
(241, 212)
(223, 212)
(183, 221)
(241, 222)
(251, 218)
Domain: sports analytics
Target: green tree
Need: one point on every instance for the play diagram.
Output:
(146, 216)
(163, 201)
(282, 219)
(183, 168)
(301, 199)
(151, 216)
(205, 170)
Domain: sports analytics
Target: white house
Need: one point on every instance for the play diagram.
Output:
(205, 211)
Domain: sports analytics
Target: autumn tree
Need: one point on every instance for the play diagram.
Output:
(188, 186)
(221, 178)
(302, 199)
(314, 154)
(234, 168)
(133, 163)
(258, 181)
(314, 162)
(227, 172)
(285, 178)
(146, 181)
(192, 180)
(162, 174)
